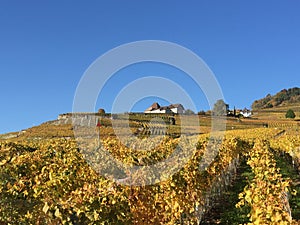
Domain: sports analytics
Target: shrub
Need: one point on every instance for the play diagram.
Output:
(290, 114)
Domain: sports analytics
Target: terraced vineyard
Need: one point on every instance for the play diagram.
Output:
(48, 179)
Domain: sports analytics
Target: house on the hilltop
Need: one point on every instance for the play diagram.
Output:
(177, 108)
(246, 113)
(173, 108)
(156, 108)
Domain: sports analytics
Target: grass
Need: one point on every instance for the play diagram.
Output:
(224, 211)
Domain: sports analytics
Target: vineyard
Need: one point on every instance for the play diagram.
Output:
(48, 179)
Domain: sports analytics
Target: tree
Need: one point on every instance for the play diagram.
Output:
(189, 112)
(290, 114)
(269, 105)
(220, 108)
(101, 111)
(201, 113)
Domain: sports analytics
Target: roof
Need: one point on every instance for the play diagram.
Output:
(154, 106)
(164, 108)
(175, 106)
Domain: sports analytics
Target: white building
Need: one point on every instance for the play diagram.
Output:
(173, 108)
(177, 108)
(246, 113)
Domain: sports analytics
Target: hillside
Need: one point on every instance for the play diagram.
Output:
(285, 97)
(49, 177)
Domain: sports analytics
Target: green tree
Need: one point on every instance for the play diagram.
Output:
(220, 108)
(101, 111)
(201, 112)
(189, 112)
(290, 114)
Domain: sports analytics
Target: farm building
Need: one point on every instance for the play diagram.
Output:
(177, 108)
(246, 113)
(173, 108)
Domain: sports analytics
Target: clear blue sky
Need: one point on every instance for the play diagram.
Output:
(253, 48)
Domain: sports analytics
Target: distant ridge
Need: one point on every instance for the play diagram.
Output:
(282, 98)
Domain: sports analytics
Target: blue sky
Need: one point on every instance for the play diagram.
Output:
(252, 47)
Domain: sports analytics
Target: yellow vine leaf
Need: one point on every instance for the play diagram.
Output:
(45, 208)
(3, 162)
(57, 213)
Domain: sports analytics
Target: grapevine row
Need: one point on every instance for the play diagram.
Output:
(267, 194)
(50, 182)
